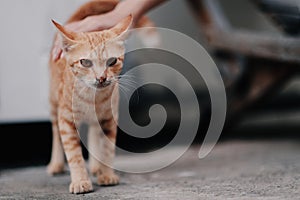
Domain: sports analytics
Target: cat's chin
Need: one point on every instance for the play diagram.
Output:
(99, 87)
(102, 86)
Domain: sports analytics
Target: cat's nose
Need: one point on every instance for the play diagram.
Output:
(101, 79)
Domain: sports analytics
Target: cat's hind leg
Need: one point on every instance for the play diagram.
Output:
(57, 162)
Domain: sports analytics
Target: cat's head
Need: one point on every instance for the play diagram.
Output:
(96, 58)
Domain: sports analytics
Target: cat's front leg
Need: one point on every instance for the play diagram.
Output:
(81, 182)
(107, 154)
(94, 149)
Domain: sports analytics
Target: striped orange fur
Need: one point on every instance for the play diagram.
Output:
(92, 62)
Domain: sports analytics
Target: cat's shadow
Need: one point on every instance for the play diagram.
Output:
(61, 174)
(97, 187)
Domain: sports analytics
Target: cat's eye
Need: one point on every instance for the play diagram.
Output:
(86, 63)
(111, 62)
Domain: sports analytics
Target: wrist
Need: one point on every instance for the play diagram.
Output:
(127, 7)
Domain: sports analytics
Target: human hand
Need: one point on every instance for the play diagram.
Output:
(105, 21)
(94, 23)
(89, 24)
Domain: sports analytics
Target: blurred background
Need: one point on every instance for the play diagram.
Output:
(255, 44)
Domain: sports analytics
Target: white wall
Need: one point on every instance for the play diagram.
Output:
(26, 35)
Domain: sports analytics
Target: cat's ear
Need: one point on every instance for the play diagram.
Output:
(121, 29)
(68, 37)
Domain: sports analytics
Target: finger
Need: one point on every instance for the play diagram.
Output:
(72, 26)
(56, 53)
(75, 26)
(56, 49)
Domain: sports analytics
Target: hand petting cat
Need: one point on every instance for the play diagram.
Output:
(137, 8)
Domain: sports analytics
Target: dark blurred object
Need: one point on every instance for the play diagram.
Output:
(25, 144)
(254, 65)
(285, 13)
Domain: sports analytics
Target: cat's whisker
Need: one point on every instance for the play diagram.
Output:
(129, 81)
(133, 79)
(82, 90)
(124, 92)
(119, 83)
(126, 75)
(127, 86)
(131, 87)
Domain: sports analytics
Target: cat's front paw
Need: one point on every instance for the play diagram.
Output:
(80, 187)
(55, 168)
(108, 179)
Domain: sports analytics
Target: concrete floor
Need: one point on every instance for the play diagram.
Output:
(234, 170)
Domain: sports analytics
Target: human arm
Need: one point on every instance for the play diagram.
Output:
(137, 8)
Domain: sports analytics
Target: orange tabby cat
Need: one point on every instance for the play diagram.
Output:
(94, 60)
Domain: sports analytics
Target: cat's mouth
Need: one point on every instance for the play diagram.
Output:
(102, 85)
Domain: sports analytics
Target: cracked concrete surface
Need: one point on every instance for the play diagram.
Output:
(234, 170)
